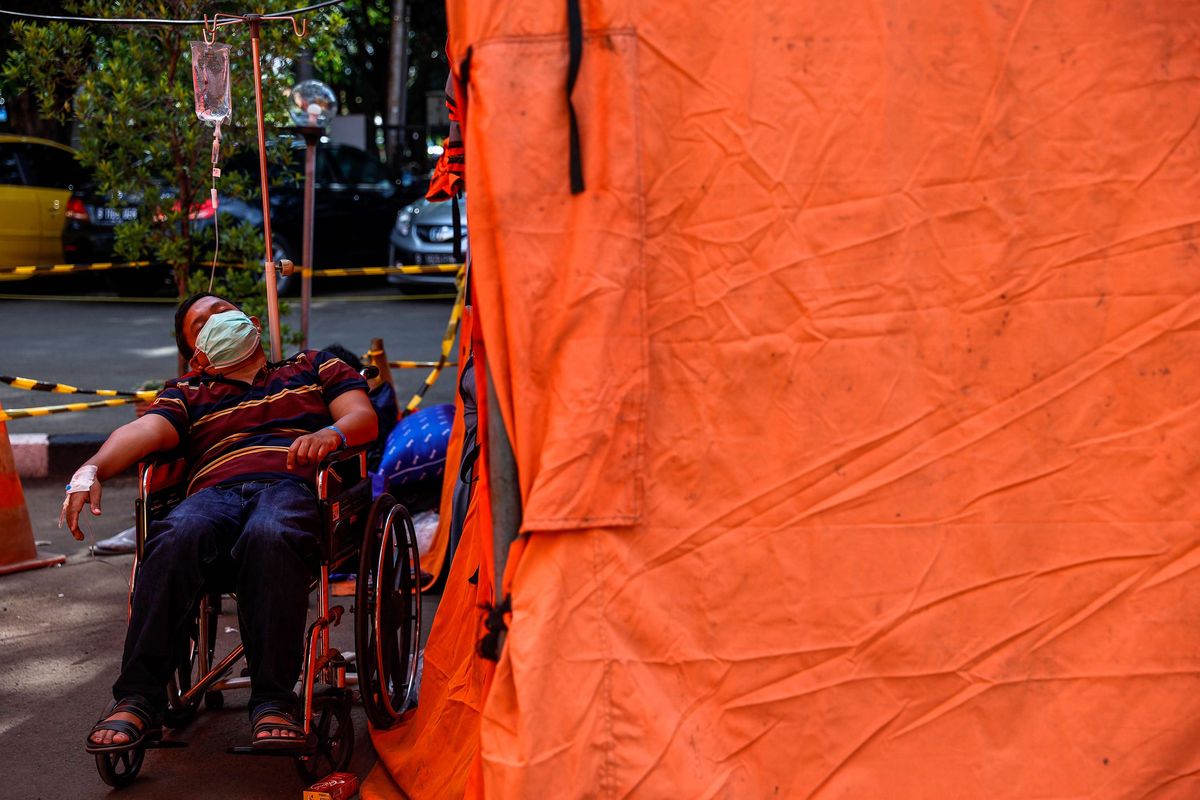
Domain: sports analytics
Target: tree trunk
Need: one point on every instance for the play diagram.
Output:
(183, 180)
(397, 86)
(304, 66)
(25, 120)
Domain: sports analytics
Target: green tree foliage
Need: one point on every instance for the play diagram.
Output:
(129, 91)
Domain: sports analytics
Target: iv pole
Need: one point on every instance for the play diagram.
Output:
(269, 265)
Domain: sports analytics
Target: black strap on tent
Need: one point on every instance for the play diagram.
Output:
(462, 104)
(456, 215)
(464, 70)
(575, 55)
(467, 283)
(489, 645)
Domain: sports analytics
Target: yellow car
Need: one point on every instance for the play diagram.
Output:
(36, 180)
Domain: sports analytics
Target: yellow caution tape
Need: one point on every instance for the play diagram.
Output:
(87, 299)
(21, 273)
(366, 358)
(69, 298)
(352, 272)
(22, 413)
(447, 346)
(418, 364)
(406, 269)
(31, 385)
(365, 298)
(24, 273)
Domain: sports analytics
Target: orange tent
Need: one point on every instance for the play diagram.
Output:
(853, 400)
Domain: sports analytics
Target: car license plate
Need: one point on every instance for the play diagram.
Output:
(435, 258)
(115, 215)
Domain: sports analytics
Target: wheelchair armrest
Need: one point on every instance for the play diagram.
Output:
(161, 471)
(341, 468)
(162, 484)
(344, 494)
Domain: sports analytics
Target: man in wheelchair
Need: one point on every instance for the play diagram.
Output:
(253, 433)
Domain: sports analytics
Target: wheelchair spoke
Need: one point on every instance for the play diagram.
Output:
(323, 723)
(324, 756)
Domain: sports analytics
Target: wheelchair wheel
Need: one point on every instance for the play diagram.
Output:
(387, 618)
(119, 770)
(334, 730)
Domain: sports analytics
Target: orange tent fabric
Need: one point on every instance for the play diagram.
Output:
(434, 752)
(854, 401)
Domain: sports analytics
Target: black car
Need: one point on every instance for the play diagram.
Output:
(356, 200)
(90, 224)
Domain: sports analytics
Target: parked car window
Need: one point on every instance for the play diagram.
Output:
(324, 168)
(354, 166)
(293, 176)
(10, 170)
(51, 167)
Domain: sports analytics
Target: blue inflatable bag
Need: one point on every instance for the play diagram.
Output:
(415, 449)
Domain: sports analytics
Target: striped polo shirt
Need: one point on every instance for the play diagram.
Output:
(234, 432)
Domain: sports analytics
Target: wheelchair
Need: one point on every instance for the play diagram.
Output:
(375, 536)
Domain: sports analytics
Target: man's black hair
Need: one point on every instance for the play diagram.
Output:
(344, 355)
(181, 312)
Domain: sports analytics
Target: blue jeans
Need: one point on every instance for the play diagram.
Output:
(261, 537)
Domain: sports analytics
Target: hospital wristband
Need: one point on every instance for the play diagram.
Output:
(336, 430)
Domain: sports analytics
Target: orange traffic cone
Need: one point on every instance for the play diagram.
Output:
(377, 357)
(17, 549)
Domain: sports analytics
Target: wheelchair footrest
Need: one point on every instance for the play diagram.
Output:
(306, 748)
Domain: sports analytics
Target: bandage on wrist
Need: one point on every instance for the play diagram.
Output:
(83, 479)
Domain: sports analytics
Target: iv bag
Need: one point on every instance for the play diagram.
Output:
(210, 79)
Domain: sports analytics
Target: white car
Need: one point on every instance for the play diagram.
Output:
(424, 234)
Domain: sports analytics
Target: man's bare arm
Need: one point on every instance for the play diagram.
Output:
(126, 446)
(353, 415)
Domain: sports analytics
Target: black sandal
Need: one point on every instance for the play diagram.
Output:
(260, 725)
(138, 736)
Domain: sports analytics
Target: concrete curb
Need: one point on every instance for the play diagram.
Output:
(42, 455)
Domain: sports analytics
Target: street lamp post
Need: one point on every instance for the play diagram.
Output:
(313, 106)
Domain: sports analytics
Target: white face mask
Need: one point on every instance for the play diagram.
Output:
(227, 338)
